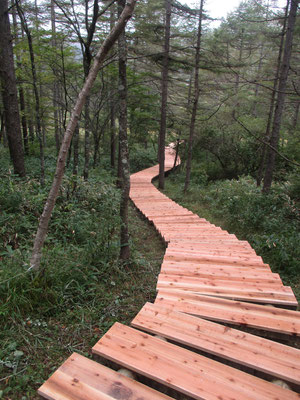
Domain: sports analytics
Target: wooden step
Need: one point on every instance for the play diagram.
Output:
(205, 249)
(232, 312)
(275, 359)
(82, 379)
(264, 269)
(260, 292)
(183, 370)
(214, 259)
(229, 273)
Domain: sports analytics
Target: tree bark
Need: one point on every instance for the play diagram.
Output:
(35, 90)
(112, 108)
(123, 143)
(195, 100)
(55, 83)
(270, 164)
(76, 150)
(164, 98)
(50, 202)
(20, 87)
(272, 101)
(9, 93)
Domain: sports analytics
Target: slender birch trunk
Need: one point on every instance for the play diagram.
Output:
(61, 162)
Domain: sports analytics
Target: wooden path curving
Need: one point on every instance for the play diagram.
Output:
(212, 287)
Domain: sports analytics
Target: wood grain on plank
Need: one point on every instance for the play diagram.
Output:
(82, 379)
(232, 312)
(275, 359)
(183, 370)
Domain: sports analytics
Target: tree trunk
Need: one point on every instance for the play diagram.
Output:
(296, 114)
(23, 120)
(50, 202)
(123, 143)
(86, 139)
(272, 102)
(35, 90)
(9, 93)
(55, 83)
(21, 90)
(112, 108)
(270, 164)
(195, 101)
(76, 150)
(254, 107)
(164, 98)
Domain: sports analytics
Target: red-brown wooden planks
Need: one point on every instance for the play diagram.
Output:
(257, 291)
(232, 312)
(275, 359)
(183, 370)
(82, 379)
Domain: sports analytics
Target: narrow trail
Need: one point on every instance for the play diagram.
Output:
(212, 288)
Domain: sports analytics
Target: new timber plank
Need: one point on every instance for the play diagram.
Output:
(82, 379)
(233, 312)
(275, 359)
(262, 292)
(223, 267)
(214, 259)
(246, 274)
(183, 370)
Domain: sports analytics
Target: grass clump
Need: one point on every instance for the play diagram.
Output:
(82, 288)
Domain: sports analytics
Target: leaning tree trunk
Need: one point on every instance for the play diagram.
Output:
(270, 162)
(164, 98)
(123, 144)
(195, 101)
(9, 93)
(61, 162)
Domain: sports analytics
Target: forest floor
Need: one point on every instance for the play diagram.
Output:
(33, 348)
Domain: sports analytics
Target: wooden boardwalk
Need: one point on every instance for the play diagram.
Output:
(211, 289)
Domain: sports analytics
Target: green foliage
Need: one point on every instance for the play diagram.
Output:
(82, 289)
(141, 158)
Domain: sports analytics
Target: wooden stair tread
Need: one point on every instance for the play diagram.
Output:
(183, 370)
(275, 359)
(232, 312)
(274, 293)
(259, 268)
(249, 274)
(80, 378)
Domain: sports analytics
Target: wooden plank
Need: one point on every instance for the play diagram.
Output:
(183, 370)
(82, 379)
(217, 250)
(205, 249)
(232, 312)
(244, 274)
(275, 359)
(214, 259)
(259, 293)
(263, 269)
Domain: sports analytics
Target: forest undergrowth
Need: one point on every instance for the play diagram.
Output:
(269, 222)
(82, 289)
